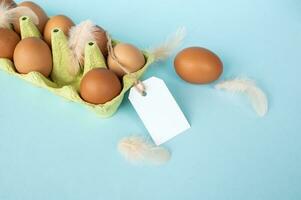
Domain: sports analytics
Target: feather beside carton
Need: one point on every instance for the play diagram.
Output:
(164, 50)
(248, 87)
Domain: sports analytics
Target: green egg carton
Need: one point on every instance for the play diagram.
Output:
(61, 82)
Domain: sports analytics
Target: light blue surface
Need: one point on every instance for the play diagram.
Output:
(229, 153)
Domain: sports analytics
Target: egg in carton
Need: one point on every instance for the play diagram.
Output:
(64, 84)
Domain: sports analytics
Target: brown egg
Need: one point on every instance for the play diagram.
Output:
(33, 54)
(101, 40)
(42, 16)
(60, 21)
(9, 3)
(198, 65)
(99, 86)
(129, 57)
(8, 42)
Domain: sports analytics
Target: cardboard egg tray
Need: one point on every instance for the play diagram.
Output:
(61, 82)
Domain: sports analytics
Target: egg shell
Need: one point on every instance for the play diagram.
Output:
(33, 54)
(99, 86)
(60, 21)
(8, 42)
(198, 65)
(129, 57)
(101, 40)
(41, 14)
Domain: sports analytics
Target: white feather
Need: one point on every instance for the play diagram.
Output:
(164, 50)
(139, 149)
(20, 11)
(5, 19)
(79, 36)
(256, 95)
(10, 15)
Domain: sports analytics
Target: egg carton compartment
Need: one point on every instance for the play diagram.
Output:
(61, 82)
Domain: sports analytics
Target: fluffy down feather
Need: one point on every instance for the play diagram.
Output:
(164, 50)
(139, 149)
(256, 95)
(79, 36)
(9, 15)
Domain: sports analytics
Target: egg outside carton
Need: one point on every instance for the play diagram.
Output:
(64, 84)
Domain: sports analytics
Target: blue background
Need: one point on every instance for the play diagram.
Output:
(52, 149)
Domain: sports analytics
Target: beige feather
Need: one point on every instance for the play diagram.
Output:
(163, 51)
(256, 95)
(79, 36)
(4, 18)
(10, 15)
(138, 149)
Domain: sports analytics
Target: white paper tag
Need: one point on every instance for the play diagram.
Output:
(159, 111)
